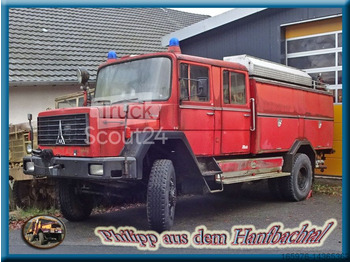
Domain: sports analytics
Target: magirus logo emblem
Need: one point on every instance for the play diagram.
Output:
(60, 138)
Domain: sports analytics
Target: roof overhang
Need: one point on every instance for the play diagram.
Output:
(311, 20)
(210, 23)
(46, 83)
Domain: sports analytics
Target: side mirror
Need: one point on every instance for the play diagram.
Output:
(202, 87)
(83, 76)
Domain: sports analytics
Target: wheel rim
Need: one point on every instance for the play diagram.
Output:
(303, 178)
(172, 198)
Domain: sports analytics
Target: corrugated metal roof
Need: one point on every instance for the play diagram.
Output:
(49, 44)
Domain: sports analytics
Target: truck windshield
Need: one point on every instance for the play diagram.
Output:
(139, 80)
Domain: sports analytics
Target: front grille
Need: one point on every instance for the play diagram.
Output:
(63, 130)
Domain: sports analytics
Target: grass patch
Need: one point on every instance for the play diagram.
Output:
(327, 189)
(21, 214)
(18, 217)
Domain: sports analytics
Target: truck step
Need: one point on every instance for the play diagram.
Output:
(253, 177)
(211, 173)
(212, 186)
(244, 167)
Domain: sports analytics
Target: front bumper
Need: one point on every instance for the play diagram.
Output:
(52, 231)
(114, 168)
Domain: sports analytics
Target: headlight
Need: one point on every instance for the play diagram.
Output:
(29, 148)
(96, 169)
(30, 166)
(82, 75)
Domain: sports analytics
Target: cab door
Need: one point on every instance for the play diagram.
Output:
(236, 112)
(196, 110)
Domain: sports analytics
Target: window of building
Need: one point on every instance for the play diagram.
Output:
(311, 43)
(234, 88)
(194, 83)
(319, 54)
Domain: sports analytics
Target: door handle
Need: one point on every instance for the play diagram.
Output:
(210, 113)
(252, 101)
(246, 115)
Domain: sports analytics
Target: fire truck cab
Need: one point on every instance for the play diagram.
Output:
(166, 124)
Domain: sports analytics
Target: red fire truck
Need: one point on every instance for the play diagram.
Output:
(166, 124)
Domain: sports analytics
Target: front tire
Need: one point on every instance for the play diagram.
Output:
(161, 196)
(31, 237)
(42, 240)
(74, 207)
(297, 186)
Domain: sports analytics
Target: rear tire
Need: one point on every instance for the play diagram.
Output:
(161, 196)
(74, 207)
(297, 186)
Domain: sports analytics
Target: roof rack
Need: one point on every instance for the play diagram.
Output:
(270, 70)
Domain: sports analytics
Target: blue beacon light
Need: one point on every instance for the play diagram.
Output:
(174, 42)
(174, 45)
(112, 55)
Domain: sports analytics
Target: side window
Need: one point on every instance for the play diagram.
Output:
(194, 83)
(225, 84)
(234, 88)
(184, 82)
(81, 101)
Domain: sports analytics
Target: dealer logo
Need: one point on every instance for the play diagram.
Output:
(60, 138)
(44, 232)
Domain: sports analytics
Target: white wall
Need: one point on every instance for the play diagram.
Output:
(34, 99)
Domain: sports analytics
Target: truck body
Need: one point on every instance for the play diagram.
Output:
(167, 123)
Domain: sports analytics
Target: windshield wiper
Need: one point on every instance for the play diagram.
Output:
(127, 100)
(102, 101)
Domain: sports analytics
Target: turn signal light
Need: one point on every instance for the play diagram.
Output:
(127, 133)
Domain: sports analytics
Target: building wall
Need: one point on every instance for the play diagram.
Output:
(34, 99)
(258, 35)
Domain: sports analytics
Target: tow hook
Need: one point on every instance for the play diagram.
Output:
(54, 169)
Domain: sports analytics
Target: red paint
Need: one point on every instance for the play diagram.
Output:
(250, 164)
(296, 109)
